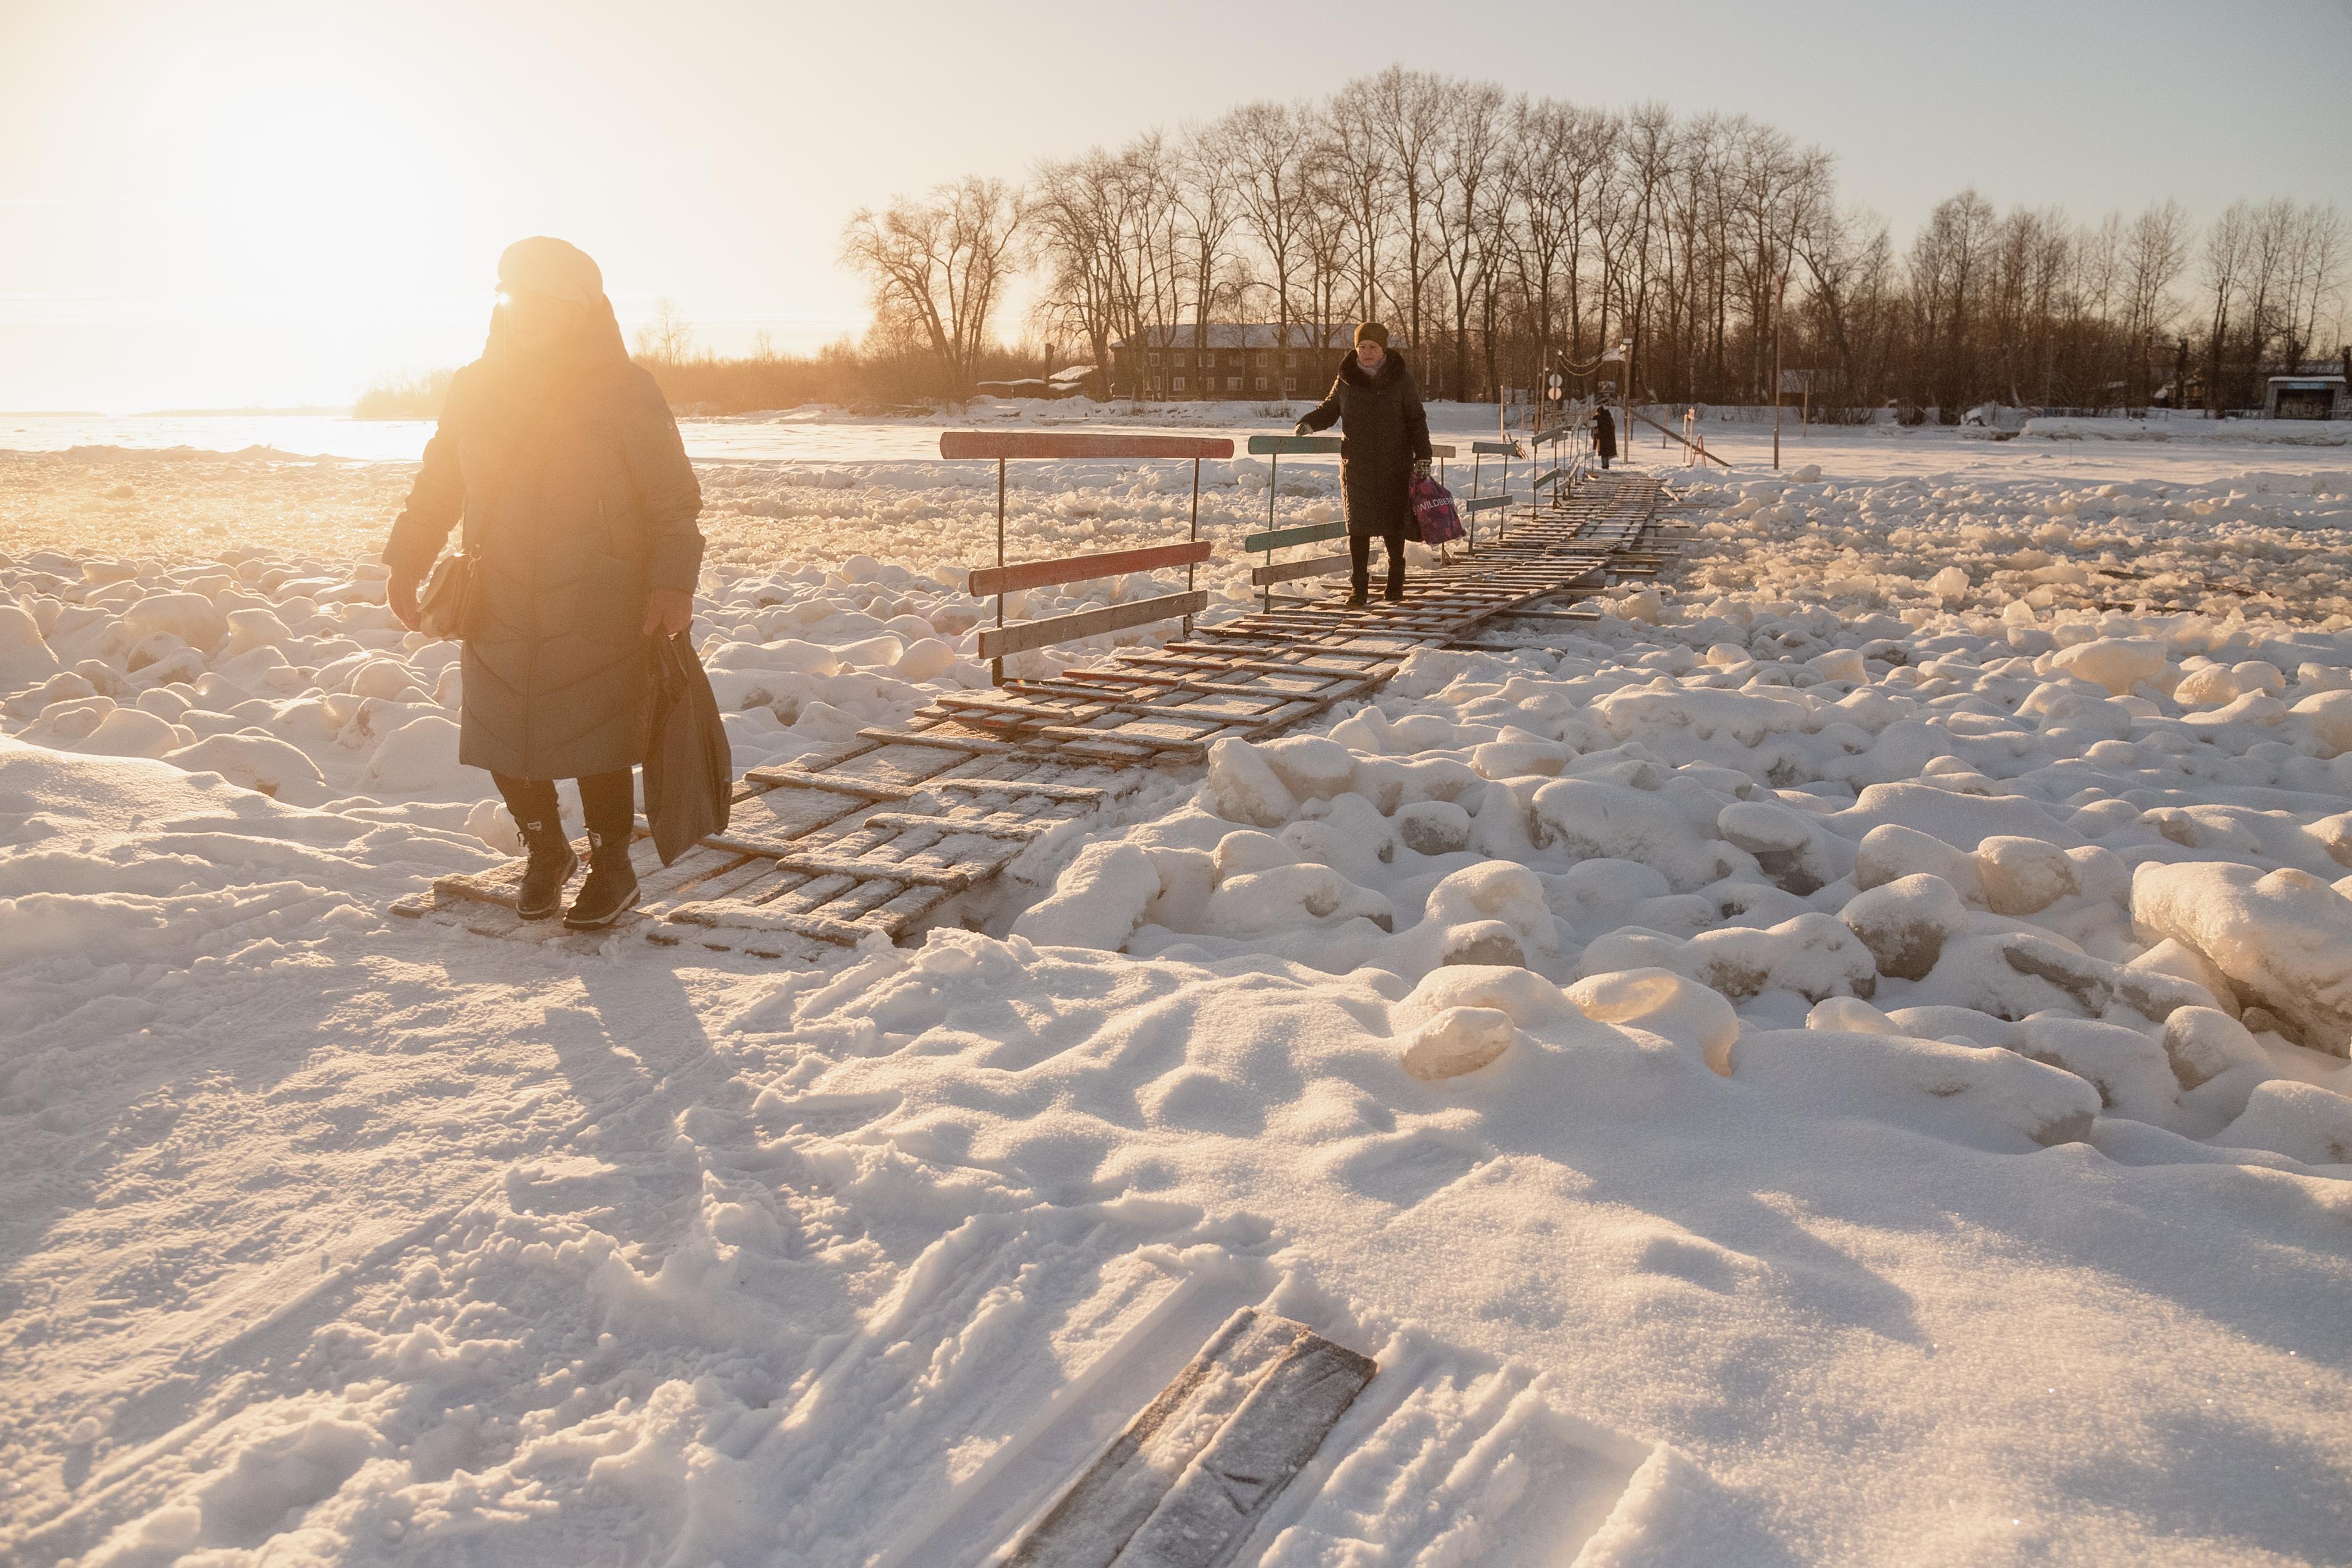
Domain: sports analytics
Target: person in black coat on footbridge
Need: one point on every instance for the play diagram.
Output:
(561, 463)
(1383, 445)
(1604, 434)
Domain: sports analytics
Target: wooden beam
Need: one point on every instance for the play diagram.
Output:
(986, 580)
(1286, 445)
(1195, 1471)
(945, 743)
(1088, 794)
(856, 789)
(953, 826)
(1077, 444)
(995, 642)
(1281, 537)
(1262, 575)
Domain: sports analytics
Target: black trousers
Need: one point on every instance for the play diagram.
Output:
(1604, 460)
(609, 800)
(1359, 561)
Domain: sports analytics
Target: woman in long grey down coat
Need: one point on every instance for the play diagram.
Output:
(1385, 441)
(579, 505)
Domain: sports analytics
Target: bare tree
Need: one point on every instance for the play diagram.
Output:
(2220, 267)
(1208, 207)
(941, 264)
(1410, 110)
(1498, 234)
(2155, 253)
(1078, 215)
(1469, 168)
(1360, 178)
(1273, 157)
(668, 338)
(1848, 258)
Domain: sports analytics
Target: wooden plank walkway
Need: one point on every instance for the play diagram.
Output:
(873, 838)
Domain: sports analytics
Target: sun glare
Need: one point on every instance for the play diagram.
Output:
(301, 198)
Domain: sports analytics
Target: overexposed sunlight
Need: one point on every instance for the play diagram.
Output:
(299, 175)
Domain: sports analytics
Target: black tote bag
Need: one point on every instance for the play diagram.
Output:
(689, 768)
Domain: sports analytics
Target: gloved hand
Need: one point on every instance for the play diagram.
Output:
(1301, 429)
(400, 593)
(1421, 471)
(669, 611)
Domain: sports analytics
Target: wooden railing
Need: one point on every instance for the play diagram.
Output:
(1264, 577)
(1697, 450)
(1005, 446)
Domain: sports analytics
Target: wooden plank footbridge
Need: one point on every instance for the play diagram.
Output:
(875, 837)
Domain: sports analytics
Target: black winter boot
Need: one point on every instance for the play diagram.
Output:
(550, 866)
(611, 888)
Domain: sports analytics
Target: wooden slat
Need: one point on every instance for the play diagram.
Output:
(955, 826)
(1487, 505)
(1281, 537)
(995, 642)
(1282, 445)
(977, 706)
(1496, 448)
(1251, 685)
(1197, 656)
(862, 789)
(1077, 444)
(986, 580)
(1086, 793)
(727, 914)
(1193, 1473)
(1438, 452)
(1262, 575)
(946, 741)
(955, 876)
(1547, 477)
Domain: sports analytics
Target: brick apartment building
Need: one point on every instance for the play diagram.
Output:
(1243, 360)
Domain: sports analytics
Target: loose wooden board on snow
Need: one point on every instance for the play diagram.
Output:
(1194, 1474)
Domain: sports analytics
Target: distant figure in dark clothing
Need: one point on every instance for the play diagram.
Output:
(1383, 446)
(562, 462)
(1604, 434)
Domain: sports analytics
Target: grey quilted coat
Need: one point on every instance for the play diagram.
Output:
(575, 504)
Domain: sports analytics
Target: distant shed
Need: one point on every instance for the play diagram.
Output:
(2307, 397)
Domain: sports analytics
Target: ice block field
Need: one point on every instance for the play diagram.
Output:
(1836, 1055)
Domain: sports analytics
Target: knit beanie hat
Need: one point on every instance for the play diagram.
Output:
(1372, 331)
(550, 266)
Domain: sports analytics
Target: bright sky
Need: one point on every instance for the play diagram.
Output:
(242, 201)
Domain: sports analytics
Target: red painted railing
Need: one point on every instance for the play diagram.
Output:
(1005, 445)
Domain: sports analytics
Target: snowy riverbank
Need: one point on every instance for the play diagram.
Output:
(1906, 959)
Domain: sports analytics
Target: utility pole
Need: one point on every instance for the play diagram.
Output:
(1779, 297)
(1625, 425)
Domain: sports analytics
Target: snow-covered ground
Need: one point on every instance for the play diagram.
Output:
(1842, 1060)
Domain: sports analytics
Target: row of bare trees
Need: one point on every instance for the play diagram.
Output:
(1504, 234)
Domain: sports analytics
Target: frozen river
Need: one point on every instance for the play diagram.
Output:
(2194, 455)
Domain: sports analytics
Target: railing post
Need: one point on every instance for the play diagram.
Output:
(1190, 568)
(996, 665)
(1272, 483)
(1477, 483)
